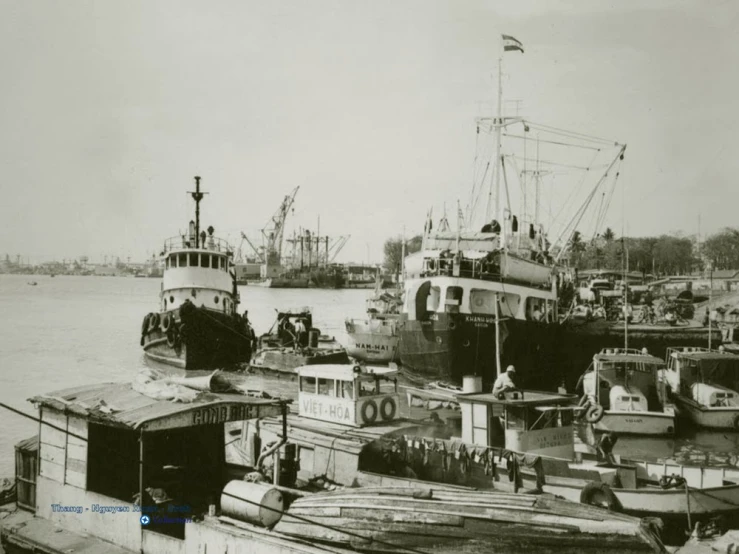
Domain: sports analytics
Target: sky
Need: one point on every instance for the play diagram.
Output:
(108, 110)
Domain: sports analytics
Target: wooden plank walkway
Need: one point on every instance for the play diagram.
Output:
(23, 530)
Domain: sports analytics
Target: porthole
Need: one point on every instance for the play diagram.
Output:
(194, 293)
(171, 299)
(216, 299)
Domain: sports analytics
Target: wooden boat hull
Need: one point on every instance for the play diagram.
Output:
(637, 423)
(704, 416)
(200, 339)
(287, 360)
(374, 340)
(438, 520)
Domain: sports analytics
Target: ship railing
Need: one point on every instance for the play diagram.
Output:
(213, 244)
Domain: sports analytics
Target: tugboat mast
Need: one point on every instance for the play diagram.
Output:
(197, 196)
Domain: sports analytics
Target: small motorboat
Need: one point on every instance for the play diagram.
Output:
(703, 384)
(622, 384)
(293, 341)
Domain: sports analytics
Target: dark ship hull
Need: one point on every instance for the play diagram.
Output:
(454, 345)
(196, 338)
(545, 354)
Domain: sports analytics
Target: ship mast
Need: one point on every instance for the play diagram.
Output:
(197, 196)
(498, 123)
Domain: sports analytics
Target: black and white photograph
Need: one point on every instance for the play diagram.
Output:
(379, 277)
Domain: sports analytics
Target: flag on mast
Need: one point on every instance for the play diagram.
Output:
(510, 43)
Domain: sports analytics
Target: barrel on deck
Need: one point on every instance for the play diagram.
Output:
(471, 384)
(252, 502)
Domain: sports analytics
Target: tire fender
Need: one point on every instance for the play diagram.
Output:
(594, 414)
(600, 494)
(369, 412)
(387, 408)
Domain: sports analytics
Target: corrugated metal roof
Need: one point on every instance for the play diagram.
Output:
(118, 404)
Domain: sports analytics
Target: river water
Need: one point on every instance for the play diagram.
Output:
(69, 331)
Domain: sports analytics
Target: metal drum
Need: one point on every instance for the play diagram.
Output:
(252, 502)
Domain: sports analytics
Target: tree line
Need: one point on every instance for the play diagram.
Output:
(662, 255)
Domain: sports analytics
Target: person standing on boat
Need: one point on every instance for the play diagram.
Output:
(505, 382)
(301, 332)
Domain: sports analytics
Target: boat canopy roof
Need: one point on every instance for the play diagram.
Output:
(523, 398)
(646, 359)
(345, 372)
(119, 405)
(707, 356)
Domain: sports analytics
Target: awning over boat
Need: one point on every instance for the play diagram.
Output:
(118, 404)
(646, 359)
(712, 367)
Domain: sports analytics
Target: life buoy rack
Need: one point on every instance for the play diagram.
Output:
(594, 414)
(153, 321)
(167, 321)
(369, 412)
(600, 494)
(387, 408)
(671, 481)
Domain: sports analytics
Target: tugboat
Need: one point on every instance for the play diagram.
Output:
(197, 325)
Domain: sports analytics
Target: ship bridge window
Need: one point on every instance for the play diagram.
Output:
(172, 261)
(453, 299)
(346, 389)
(515, 418)
(433, 299)
(326, 387)
(307, 384)
(482, 301)
(182, 260)
(204, 260)
(166, 263)
(193, 260)
(221, 265)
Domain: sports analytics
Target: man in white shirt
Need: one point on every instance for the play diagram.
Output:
(504, 382)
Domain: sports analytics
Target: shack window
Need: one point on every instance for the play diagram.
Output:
(453, 299)
(185, 467)
(193, 260)
(326, 387)
(113, 462)
(482, 301)
(182, 260)
(565, 418)
(204, 260)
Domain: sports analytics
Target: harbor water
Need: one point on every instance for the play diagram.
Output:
(70, 330)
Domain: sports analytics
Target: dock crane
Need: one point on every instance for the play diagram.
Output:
(272, 233)
(274, 230)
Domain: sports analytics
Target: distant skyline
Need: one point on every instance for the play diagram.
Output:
(110, 109)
